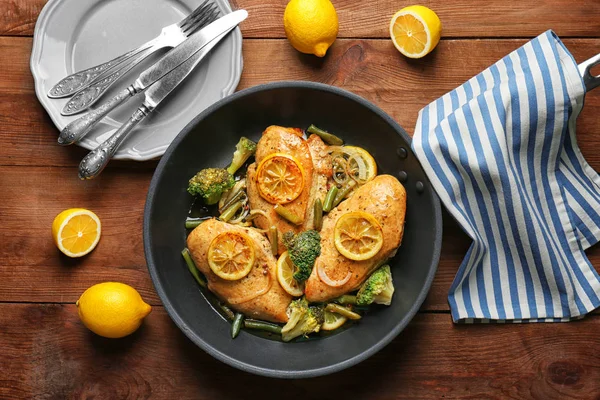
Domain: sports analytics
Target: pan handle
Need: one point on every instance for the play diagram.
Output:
(590, 80)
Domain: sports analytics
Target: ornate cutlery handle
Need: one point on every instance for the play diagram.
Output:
(90, 94)
(77, 81)
(77, 129)
(94, 162)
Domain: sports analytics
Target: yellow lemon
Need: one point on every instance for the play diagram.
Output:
(311, 26)
(333, 321)
(112, 309)
(358, 236)
(415, 31)
(76, 231)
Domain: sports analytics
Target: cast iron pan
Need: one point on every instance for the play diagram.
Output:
(209, 140)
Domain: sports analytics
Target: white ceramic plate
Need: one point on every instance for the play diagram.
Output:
(71, 35)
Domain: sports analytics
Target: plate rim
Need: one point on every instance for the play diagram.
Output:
(157, 151)
(277, 373)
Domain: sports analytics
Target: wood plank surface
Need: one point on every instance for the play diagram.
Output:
(370, 68)
(48, 354)
(460, 18)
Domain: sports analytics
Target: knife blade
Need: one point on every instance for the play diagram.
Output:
(188, 48)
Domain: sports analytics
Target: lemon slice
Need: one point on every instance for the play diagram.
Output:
(76, 231)
(280, 178)
(333, 321)
(285, 276)
(358, 236)
(415, 31)
(231, 255)
(360, 157)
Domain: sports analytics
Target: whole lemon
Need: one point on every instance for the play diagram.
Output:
(112, 309)
(311, 26)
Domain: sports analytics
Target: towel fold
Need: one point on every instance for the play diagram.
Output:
(502, 154)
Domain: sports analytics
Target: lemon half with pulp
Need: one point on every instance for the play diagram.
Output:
(415, 31)
(76, 231)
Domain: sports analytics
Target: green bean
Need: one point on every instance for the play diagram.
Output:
(238, 196)
(192, 267)
(346, 299)
(287, 214)
(318, 217)
(236, 326)
(274, 240)
(192, 223)
(262, 325)
(229, 314)
(330, 198)
(326, 136)
(336, 308)
(231, 211)
(343, 193)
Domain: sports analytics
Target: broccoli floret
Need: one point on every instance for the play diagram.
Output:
(210, 183)
(379, 288)
(303, 248)
(243, 151)
(303, 319)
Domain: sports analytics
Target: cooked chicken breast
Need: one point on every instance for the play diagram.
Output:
(384, 198)
(272, 304)
(277, 139)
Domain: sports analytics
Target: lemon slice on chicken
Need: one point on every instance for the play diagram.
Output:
(231, 255)
(280, 178)
(358, 236)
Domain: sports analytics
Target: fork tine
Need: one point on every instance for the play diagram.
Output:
(201, 21)
(199, 17)
(194, 14)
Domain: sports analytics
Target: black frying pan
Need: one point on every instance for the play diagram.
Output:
(209, 140)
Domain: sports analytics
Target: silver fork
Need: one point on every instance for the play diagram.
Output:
(88, 85)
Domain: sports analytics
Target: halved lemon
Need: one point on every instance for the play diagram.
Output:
(231, 255)
(333, 321)
(280, 178)
(415, 31)
(76, 231)
(358, 236)
(285, 276)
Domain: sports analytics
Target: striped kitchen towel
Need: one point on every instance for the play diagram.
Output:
(502, 154)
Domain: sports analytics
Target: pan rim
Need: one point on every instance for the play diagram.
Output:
(207, 347)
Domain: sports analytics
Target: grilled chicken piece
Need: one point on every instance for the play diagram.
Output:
(272, 304)
(384, 198)
(277, 139)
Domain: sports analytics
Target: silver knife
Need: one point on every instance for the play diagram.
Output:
(77, 129)
(95, 161)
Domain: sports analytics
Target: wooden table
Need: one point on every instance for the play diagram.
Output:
(46, 353)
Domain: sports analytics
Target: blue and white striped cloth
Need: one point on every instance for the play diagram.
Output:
(501, 152)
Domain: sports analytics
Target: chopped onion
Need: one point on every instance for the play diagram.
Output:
(330, 282)
(264, 214)
(362, 169)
